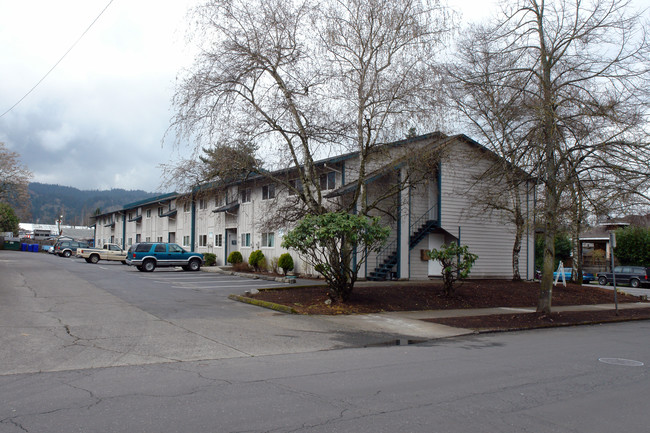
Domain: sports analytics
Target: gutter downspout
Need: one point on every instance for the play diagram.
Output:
(193, 231)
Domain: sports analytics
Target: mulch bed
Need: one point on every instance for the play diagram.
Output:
(508, 322)
(398, 296)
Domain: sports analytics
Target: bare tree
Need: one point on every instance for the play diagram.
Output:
(482, 87)
(14, 182)
(301, 80)
(381, 55)
(583, 69)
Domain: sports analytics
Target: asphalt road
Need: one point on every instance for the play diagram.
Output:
(107, 349)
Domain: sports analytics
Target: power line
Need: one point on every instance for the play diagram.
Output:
(59, 61)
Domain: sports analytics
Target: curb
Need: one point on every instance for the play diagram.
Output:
(218, 270)
(264, 304)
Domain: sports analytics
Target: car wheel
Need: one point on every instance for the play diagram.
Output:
(87, 260)
(94, 258)
(635, 283)
(67, 253)
(140, 268)
(149, 265)
(194, 265)
(602, 281)
(123, 262)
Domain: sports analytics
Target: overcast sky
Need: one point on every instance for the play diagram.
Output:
(98, 120)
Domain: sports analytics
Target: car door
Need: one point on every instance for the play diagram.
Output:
(160, 253)
(177, 255)
(624, 278)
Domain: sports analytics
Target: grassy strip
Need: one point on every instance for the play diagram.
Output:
(264, 304)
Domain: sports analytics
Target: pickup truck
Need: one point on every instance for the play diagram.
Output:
(107, 252)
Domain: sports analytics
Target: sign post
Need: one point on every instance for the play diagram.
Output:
(612, 245)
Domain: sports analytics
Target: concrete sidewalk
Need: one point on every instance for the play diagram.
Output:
(410, 324)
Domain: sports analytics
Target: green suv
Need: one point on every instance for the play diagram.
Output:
(147, 256)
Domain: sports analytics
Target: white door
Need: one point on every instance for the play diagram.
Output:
(435, 241)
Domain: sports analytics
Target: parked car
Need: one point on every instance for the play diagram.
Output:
(107, 252)
(147, 256)
(68, 248)
(587, 277)
(635, 276)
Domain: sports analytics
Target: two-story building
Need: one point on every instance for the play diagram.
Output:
(421, 187)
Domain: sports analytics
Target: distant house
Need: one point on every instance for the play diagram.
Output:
(596, 251)
(436, 210)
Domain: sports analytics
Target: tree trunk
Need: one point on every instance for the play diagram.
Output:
(516, 248)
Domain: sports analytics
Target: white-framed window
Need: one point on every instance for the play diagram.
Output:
(187, 206)
(159, 239)
(245, 195)
(129, 241)
(186, 241)
(130, 215)
(245, 239)
(148, 213)
(161, 211)
(138, 238)
(327, 180)
(203, 240)
(203, 203)
(268, 240)
(268, 191)
(147, 239)
(218, 240)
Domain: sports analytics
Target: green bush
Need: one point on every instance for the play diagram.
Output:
(210, 259)
(633, 246)
(286, 263)
(257, 260)
(235, 258)
(456, 261)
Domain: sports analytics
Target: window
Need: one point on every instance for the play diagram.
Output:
(328, 180)
(130, 215)
(245, 195)
(129, 241)
(218, 240)
(268, 240)
(161, 211)
(147, 239)
(186, 206)
(268, 192)
(296, 184)
(138, 238)
(245, 239)
(159, 239)
(203, 204)
(203, 240)
(148, 213)
(173, 248)
(160, 248)
(186, 240)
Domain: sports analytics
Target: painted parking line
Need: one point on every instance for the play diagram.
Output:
(225, 287)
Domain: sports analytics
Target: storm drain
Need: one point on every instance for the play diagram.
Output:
(620, 361)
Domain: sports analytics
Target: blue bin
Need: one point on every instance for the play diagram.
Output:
(35, 248)
(23, 247)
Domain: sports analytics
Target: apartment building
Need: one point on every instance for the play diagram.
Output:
(423, 211)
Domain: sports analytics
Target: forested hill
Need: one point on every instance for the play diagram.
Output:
(76, 206)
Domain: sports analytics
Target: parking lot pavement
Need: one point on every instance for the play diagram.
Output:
(185, 280)
(62, 314)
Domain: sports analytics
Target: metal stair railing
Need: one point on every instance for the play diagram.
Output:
(423, 226)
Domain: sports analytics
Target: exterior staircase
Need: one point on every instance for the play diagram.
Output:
(387, 258)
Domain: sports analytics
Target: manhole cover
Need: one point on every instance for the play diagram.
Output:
(619, 361)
